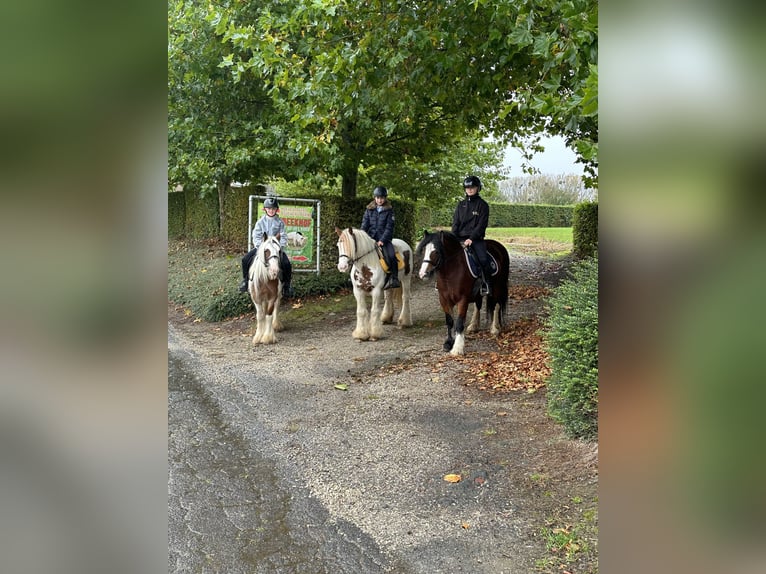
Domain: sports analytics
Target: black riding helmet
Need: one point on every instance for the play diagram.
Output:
(271, 202)
(380, 191)
(472, 181)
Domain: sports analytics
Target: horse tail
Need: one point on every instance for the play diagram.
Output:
(500, 253)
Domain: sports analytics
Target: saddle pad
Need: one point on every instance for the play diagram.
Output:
(475, 268)
(384, 265)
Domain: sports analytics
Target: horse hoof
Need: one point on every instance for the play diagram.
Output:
(448, 346)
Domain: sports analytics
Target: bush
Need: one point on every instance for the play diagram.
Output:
(572, 340)
(585, 229)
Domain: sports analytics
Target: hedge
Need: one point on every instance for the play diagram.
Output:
(585, 229)
(572, 341)
(503, 215)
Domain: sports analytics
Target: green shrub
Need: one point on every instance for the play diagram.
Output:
(585, 229)
(206, 282)
(572, 340)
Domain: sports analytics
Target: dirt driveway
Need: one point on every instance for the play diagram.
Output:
(376, 453)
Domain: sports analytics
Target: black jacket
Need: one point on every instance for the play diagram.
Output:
(379, 224)
(471, 218)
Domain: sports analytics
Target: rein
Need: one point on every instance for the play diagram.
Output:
(353, 261)
(442, 257)
(275, 256)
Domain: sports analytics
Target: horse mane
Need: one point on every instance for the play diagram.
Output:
(261, 271)
(437, 238)
(352, 233)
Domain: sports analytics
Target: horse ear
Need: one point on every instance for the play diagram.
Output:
(277, 236)
(338, 231)
(265, 237)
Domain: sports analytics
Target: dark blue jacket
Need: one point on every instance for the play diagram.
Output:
(379, 224)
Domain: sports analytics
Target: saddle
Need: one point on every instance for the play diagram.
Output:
(475, 268)
(384, 265)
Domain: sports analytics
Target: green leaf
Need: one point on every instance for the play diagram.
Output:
(341, 386)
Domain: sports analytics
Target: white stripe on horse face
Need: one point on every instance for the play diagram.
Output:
(272, 253)
(344, 257)
(426, 260)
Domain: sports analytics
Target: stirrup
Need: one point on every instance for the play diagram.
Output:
(391, 282)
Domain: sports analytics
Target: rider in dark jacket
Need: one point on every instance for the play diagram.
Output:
(378, 222)
(469, 223)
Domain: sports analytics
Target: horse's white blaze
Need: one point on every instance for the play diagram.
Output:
(426, 260)
(273, 267)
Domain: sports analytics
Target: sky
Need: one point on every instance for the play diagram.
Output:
(556, 159)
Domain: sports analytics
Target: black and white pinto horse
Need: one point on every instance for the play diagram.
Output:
(358, 251)
(443, 253)
(265, 289)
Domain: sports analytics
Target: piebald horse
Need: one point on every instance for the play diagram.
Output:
(357, 251)
(265, 289)
(445, 255)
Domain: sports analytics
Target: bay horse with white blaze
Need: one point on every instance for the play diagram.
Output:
(265, 289)
(445, 255)
(358, 251)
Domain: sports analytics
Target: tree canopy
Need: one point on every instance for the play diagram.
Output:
(374, 84)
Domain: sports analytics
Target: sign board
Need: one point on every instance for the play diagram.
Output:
(301, 217)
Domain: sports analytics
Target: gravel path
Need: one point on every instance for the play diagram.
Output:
(374, 457)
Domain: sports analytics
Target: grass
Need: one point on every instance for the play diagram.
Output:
(571, 542)
(552, 242)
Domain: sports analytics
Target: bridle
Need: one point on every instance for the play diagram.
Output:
(267, 259)
(353, 261)
(440, 253)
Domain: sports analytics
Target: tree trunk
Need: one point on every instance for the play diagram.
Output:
(350, 176)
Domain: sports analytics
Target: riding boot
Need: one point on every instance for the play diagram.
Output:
(392, 279)
(484, 289)
(484, 282)
(286, 276)
(243, 286)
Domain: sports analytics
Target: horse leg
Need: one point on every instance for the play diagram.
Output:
(459, 347)
(474, 324)
(362, 330)
(258, 323)
(403, 297)
(495, 328)
(268, 331)
(387, 316)
(449, 341)
(276, 324)
(376, 327)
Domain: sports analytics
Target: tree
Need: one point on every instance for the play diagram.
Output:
(218, 131)
(386, 82)
(548, 189)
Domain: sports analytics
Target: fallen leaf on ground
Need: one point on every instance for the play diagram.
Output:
(341, 387)
(452, 477)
